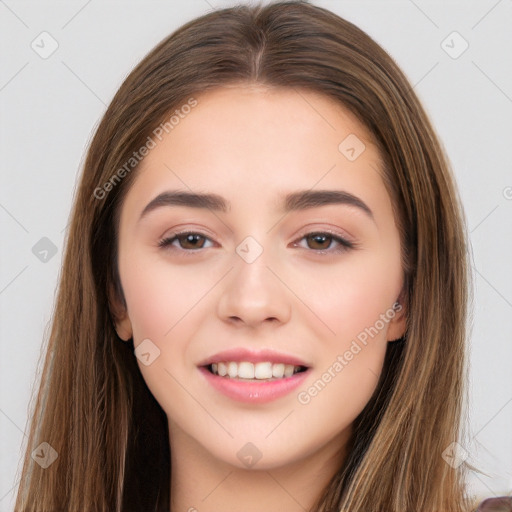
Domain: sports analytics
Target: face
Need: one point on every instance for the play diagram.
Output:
(283, 280)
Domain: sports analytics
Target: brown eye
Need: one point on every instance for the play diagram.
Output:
(191, 241)
(187, 241)
(325, 243)
(319, 241)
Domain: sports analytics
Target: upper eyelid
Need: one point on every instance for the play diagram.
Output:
(344, 240)
(302, 233)
(335, 231)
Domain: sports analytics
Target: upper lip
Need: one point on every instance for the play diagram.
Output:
(252, 356)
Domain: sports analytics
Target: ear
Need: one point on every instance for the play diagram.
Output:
(119, 314)
(398, 323)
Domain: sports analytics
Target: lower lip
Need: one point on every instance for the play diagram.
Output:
(255, 392)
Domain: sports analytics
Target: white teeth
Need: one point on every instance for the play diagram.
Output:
(245, 370)
(288, 370)
(263, 370)
(258, 371)
(232, 369)
(222, 370)
(278, 370)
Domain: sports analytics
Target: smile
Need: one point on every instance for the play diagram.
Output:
(253, 376)
(262, 371)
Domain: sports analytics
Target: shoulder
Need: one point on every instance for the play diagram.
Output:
(499, 504)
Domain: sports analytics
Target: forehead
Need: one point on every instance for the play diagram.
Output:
(276, 120)
(252, 142)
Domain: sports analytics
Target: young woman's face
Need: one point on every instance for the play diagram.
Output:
(293, 265)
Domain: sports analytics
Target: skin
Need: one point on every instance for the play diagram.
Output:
(253, 145)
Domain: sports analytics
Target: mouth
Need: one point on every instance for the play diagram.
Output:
(264, 371)
(254, 377)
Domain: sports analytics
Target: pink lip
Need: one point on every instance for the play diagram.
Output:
(252, 356)
(254, 392)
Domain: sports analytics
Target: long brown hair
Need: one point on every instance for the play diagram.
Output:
(94, 408)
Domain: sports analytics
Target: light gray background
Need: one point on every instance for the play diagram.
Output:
(50, 107)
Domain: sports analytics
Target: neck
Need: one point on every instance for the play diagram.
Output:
(203, 483)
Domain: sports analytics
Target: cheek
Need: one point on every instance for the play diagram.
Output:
(340, 390)
(165, 305)
(354, 301)
(356, 305)
(351, 298)
(160, 296)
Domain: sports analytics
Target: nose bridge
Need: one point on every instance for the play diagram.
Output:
(252, 292)
(251, 276)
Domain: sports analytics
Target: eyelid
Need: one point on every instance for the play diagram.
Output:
(335, 232)
(165, 241)
(344, 243)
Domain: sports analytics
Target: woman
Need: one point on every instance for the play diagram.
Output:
(264, 291)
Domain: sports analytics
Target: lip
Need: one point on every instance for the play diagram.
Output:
(253, 356)
(254, 392)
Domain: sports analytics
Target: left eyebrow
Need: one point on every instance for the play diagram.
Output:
(300, 200)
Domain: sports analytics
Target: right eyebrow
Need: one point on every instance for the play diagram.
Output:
(300, 200)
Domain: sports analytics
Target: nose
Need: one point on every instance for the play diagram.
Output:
(255, 294)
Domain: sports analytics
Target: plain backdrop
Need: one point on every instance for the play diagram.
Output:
(51, 104)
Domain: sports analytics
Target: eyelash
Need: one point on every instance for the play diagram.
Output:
(345, 245)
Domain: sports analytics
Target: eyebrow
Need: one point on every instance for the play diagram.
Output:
(300, 200)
